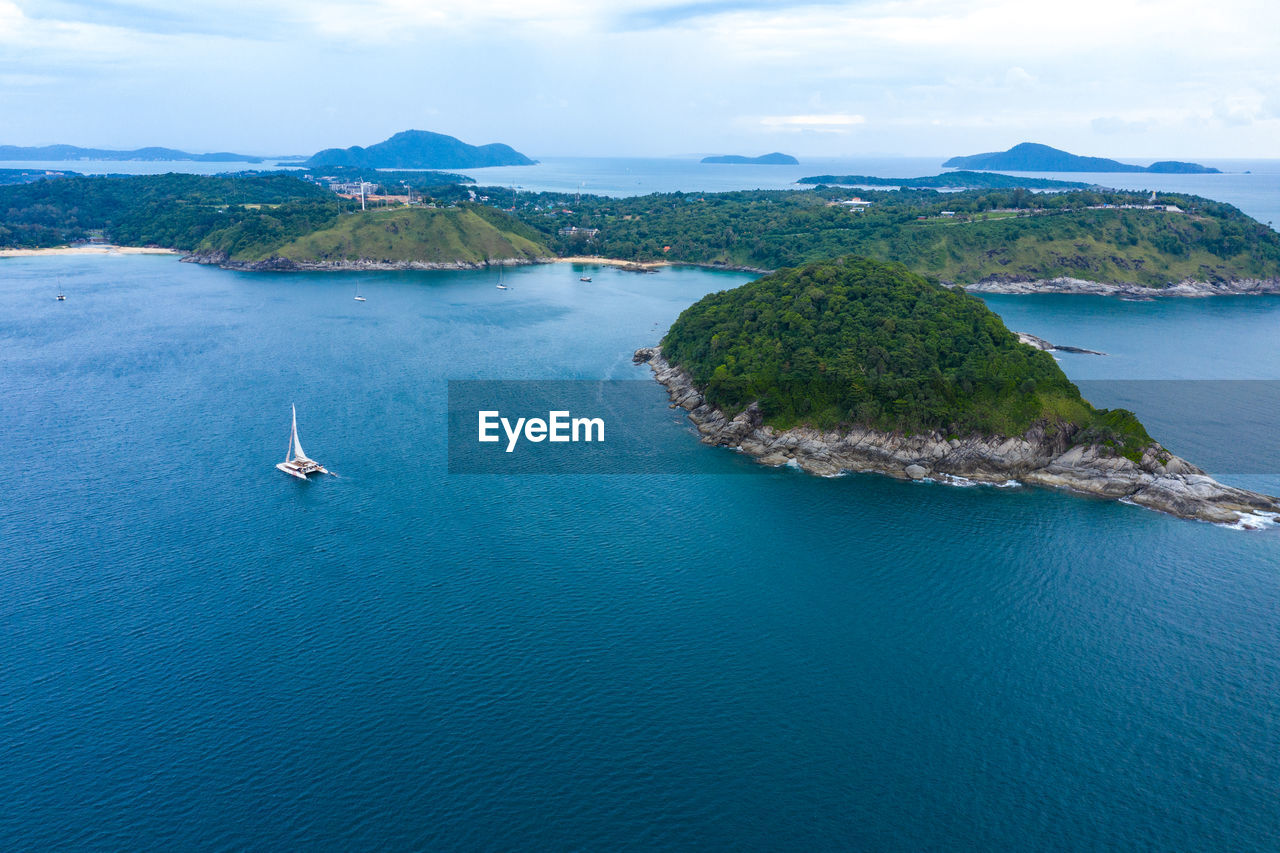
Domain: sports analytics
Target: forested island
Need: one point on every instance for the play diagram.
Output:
(947, 180)
(859, 365)
(420, 149)
(777, 158)
(1034, 157)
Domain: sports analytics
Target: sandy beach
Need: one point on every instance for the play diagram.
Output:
(614, 262)
(94, 249)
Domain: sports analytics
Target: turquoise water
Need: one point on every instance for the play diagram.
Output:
(202, 652)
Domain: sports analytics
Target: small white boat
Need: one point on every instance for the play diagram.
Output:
(62, 297)
(296, 463)
(585, 278)
(359, 298)
(501, 286)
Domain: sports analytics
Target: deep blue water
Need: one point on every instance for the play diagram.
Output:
(202, 652)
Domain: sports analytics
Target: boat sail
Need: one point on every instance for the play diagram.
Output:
(296, 463)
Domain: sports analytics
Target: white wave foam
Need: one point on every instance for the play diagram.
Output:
(1254, 521)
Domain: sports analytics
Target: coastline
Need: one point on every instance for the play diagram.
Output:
(91, 249)
(1159, 481)
(1187, 288)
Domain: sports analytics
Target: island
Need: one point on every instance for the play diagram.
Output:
(73, 152)
(947, 180)
(1034, 157)
(420, 149)
(777, 158)
(860, 365)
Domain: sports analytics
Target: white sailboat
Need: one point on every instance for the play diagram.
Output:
(296, 463)
(62, 297)
(501, 286)
(359, 298)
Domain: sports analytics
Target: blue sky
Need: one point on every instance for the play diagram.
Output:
(645, 77)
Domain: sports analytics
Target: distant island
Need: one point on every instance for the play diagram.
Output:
(775, 159)
(74, 152)
(420, 149)
(859, 365)
(1033, 157)
(949, 180)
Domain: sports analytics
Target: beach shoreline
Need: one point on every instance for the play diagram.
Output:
(91, 249)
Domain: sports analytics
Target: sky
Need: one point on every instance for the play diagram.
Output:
(647, 77)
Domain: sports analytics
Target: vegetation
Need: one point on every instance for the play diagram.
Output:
(961, 180)
(777, 158)
(1033, 157)
(173, 210)
(420, 149)
(468, 234)
(1010, 234)
(858, 341)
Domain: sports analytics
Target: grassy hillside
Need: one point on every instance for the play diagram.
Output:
(466, 235)
(857, 341)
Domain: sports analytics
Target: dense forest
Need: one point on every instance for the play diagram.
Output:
(960, 237)
(858, 341)
(174, 210)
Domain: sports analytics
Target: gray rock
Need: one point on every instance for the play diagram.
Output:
(916, 472)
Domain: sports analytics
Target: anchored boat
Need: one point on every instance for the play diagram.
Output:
(296, 463)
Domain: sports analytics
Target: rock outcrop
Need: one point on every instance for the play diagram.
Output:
(1042, 456)
(1185, 288)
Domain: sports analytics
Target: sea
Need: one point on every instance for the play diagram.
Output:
(201, 652)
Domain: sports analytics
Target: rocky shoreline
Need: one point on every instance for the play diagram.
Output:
(1184, 288)
(1160, 481)
(220, 259)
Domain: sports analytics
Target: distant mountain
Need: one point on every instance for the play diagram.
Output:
(774, 159)
(950, 180)
(74, 152)
(421, 149)
(1033, 157)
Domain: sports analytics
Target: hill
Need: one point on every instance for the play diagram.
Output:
(421, 149)
(857, 365)
(1033, 157)
(398, 237)
(73, 152)
(948, 180)
(775, 159)
(858, 341)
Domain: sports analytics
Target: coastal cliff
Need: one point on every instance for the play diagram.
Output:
(1158, 480)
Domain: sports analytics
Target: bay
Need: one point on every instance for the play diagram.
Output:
(202, 652)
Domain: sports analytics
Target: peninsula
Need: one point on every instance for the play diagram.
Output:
(1034, 157)
(74, 152)
(420, 149)
(947, 180)
(775, 159)
(858, 365)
